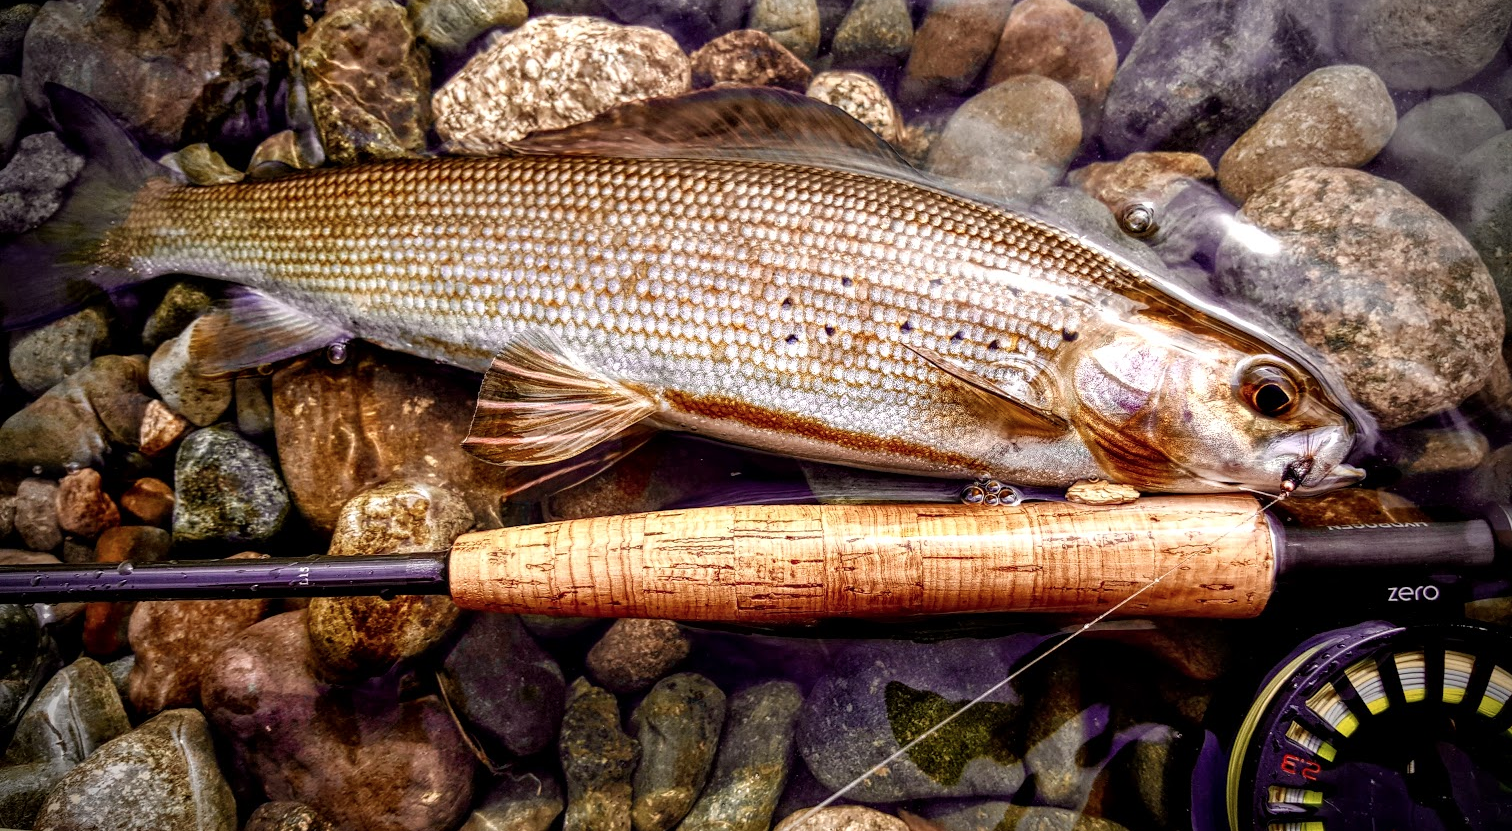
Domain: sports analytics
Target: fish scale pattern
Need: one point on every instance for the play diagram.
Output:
(788, 287)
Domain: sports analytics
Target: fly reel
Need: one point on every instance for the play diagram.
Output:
(1382, 727)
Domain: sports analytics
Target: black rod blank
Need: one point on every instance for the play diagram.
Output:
(384, 574)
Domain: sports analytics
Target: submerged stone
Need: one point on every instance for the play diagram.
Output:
(754, 759)
(227, 490)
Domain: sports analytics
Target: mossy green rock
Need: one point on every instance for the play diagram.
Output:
(755, 758)
(678, 726)
(598, 759)
(227, 490)
(876, 697)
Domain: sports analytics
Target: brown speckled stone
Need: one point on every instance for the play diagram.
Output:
(367, 758)
(634, 653)
(953, 43)
(598, 759)
(842, 818)
(83, 507)
(368, 81)
(748, 56)
(1375, 280)
(1057, 40)
(1338, 116)
(554, 72)
(356, 637)
(175, 640)
(862, 98)
(149, 500)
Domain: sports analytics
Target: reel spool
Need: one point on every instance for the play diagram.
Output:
(1382, 727)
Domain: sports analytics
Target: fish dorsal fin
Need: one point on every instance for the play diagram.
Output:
(252, 328)
(753, 123)
(539, 406)
(1021, 414)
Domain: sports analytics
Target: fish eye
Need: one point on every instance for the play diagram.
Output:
(1268, 387)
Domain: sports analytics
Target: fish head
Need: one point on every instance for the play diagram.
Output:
(1167, 409)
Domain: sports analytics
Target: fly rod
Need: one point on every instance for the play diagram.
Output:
(774, 564)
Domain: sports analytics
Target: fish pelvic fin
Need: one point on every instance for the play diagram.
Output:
(1022, 416)
(251, 329)
(68, 261)
(538, 406)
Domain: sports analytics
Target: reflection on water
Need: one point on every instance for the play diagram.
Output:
(1334, 172)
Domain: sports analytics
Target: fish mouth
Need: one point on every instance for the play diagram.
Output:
(1340, 476)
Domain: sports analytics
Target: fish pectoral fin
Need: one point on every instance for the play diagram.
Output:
(1021, 414)
(538, 406)
(252, 328)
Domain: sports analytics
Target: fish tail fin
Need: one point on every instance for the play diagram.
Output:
(63, 264)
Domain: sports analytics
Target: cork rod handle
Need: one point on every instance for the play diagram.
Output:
(777, 564)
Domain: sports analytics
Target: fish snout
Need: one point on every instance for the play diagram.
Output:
(1339, 476)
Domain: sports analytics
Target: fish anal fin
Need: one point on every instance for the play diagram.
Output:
(538, 406)
(753, 123)
(251, 329)
(1022, 415)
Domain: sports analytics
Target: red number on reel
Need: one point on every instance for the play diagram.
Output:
(1297, 766)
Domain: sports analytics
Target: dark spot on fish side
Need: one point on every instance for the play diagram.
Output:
(1069, 335)
(994, 346)
(829, 330)
(906, 327)
(847, 282)
(792, 338)
(958, 337)
(787, 303)
(937, 281)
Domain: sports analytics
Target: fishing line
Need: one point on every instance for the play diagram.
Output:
(900, 752)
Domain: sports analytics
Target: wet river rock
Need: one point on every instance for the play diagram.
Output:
(84, 509)
(554, 72)
(198, 397)
(75, 422)
(1485, 177)
(287, 816)
(162, 66)
(634, 653)
(530, 800)
(792, 23)
(598, 759)
(1377, 281)
(306, 741)
(227, 490)
(874, 32)
(1430, 142)
(1338, 116)
(862, 98)
(14, 21)
(678, 726)
(149, 500)
(1176, 91)
(754, 759)
(33, 181)
(161, 776)
(751, 57)
(842, 818)
(76, 712)
(368, 81)
(1416, 48)
(1059, 41)
(360, 637)
(176, 640)
(450, 25)
(503, 686)
(1010, 141)
(951, 46)
(881, 696)
(37, 514)
(377, 417)
(42, 357)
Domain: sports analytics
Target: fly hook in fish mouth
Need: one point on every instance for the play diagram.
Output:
(1296, 472)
